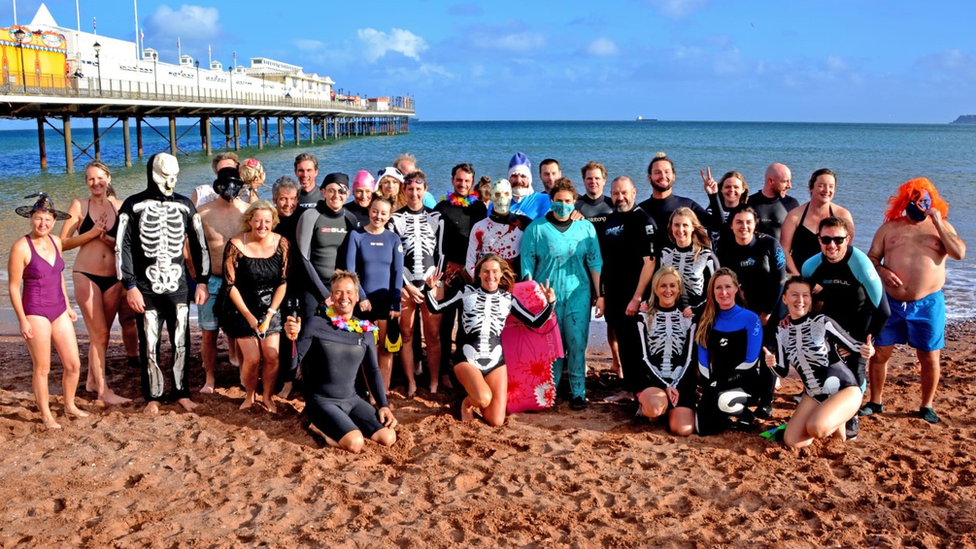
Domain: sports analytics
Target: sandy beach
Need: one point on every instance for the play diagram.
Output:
(600, 478)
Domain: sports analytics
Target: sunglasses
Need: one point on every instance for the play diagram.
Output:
(838, 240)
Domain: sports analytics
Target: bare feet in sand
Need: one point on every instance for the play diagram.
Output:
(75, 411)
(207, 389)
(248, 402)
(187, 404)
(467, 411)
(411, 390)
(433, 388)
(50, 422)
(285, 390)
(152, 408)
(109, 398)
(269, 403)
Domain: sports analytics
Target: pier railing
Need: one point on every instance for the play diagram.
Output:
(50, 85)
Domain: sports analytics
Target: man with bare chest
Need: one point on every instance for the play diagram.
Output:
(221, 221)
(909, 251)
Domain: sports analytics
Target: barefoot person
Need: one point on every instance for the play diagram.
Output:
(97, 288)
(221, 220)
(154, 226)
(333, 350)
(479, 363)
(255, 270)
(667, 339)
(909, 250)
(42, 308)
(831, 392)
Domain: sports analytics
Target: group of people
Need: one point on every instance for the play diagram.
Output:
(705, 306)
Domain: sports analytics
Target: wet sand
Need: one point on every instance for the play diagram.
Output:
(221, 477)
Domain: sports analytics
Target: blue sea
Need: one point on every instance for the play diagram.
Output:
(871, 160)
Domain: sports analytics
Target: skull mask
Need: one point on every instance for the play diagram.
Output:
(501, 196)
(165, 168)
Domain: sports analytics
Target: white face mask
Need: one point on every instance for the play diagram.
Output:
(501, 196)
(165, 170)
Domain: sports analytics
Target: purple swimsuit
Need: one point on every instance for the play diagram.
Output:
(42, 285)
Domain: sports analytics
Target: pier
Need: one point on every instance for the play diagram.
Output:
(214, 112)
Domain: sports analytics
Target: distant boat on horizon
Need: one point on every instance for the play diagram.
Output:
(642, 119)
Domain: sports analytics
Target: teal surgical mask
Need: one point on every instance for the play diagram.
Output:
(561, 209)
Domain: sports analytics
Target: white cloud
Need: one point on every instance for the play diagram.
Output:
(191, 23)
(309, 45)
(676, 9)
(518, 42)
(378, 43)
(602, 47)
(834, 63)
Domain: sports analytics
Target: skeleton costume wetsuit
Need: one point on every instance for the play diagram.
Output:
(729, 370)
(804, 345)
(696, 270)
(153, 226)
(497, 234)
(667, 341)
(421, 233)
(483, 315)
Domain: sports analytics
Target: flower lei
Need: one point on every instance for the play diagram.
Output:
(351, 324)
(462, 201)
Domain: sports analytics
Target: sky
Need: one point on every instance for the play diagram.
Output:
(789, 60)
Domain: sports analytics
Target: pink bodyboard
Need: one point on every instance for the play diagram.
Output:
(529, 354)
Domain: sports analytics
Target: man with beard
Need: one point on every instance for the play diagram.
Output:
(628, 250)
(771, 203)
(320, 235)
(524, 200)
(549, 173)
(594, 206)
(154, 226)
(500, 233)
(307, 171)
(221, 221)
(459, 210)
(663, 202)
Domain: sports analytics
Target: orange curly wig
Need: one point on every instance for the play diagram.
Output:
(909, 192)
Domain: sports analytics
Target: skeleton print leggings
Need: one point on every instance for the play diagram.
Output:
(174, 310)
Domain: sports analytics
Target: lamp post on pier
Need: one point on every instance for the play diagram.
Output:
(98, 63)
(19, 34)
(197, 63)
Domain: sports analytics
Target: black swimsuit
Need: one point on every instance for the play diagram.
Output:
(805, 242)
(104, 282)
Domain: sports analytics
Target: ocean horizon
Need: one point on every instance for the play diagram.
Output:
(871, 160)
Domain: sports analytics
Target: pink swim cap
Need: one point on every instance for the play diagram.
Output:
(363, 179)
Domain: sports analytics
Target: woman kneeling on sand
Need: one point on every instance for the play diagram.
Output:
(331, 349)
(478, 361)
(43, 308)
(832, 395)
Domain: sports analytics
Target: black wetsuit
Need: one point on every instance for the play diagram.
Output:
(331, 360)
(662, 208)
(667, 340)
(852, 294)
(596, 211)
(287, 357)
(772, 212)
(321, 235)
(729, 370)
(361, 213)
(629, 238)
(308, 199)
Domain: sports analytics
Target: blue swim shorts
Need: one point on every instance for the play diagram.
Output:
(205, 313)
(919, 323)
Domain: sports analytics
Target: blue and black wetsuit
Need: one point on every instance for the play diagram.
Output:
(851, 292)
(378, 260)
(331, 359)
(729, 370)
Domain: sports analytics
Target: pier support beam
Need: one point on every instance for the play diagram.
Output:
(41, 145)
(139, 137)
(247, 131)
(226, 132)
(311, 131)
(260, 121)
(98, 142)
(69, 157)
(207, 142)
(281, 132)
(237, 133)
(127, 141)
(172, 135)
(298, 134)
